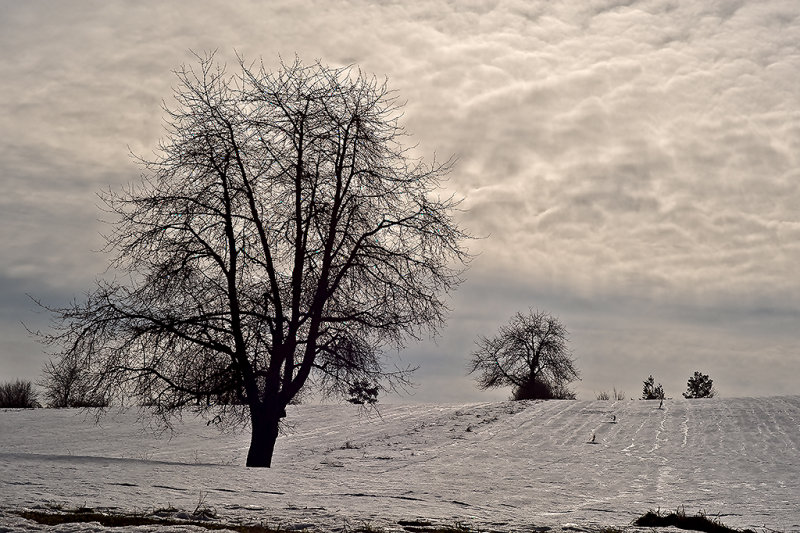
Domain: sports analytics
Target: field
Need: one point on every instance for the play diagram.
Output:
(510, 466)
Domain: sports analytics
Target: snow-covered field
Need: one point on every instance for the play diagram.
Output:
(496, 466)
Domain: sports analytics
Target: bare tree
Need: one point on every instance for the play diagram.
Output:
(700, 386)
(67, 384)
(281, 236)
(530, 354)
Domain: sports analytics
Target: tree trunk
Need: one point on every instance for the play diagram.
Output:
(264, 422)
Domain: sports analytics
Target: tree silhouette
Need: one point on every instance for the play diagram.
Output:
(282, 236)
(18, 395)
(530, 354)
(651, 391)
(700, 386)
(67, 384)
(363, 392)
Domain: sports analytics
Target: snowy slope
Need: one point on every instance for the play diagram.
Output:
(499, 466)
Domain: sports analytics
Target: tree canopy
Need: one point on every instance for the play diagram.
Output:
(651, 391)
(281, 237)
(700, 386)
(529, 354)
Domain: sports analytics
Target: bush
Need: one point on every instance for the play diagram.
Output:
(363, 392)
(615, 395)
(536, 389)
(19, 394)
(651, 391)
(700, 386)
(680, 520)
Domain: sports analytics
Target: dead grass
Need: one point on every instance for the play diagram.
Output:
(422, 526)
(679, 519)
(157, 518)
(123, 520)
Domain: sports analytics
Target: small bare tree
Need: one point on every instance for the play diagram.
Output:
(530, 354)
(281, 237)
(67, 384)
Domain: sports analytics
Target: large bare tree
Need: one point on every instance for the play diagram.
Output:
(281, 237)
(529, 354)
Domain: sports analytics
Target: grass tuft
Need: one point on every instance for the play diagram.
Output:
(679, 519)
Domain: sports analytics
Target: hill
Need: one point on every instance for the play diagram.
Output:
(510, 466)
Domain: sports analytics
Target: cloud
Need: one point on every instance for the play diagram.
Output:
(620, 157)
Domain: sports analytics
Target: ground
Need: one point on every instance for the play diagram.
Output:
(509, 466)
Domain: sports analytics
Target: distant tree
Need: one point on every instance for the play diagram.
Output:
(282, 236)
(699, 386)
(651, 391)
(66, 384)
(530, 354)
(18, 395)
(363, 392)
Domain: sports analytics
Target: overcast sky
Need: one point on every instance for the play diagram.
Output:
(634, 165)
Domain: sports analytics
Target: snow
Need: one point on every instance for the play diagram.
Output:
(508, 466)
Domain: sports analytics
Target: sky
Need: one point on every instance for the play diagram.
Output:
(632, 167)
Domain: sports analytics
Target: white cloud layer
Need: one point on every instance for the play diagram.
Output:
(632, 164)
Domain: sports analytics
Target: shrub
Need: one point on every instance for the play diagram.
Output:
(615, 395)
(679, 519)
(363, 392)
(651, 391)
(18, 394)
(537, 389)
(699, 386)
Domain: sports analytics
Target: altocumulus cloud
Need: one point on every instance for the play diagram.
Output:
(632, 165)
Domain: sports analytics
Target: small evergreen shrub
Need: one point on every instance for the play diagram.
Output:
(651, 391)
(699, 386)
(363, 392)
